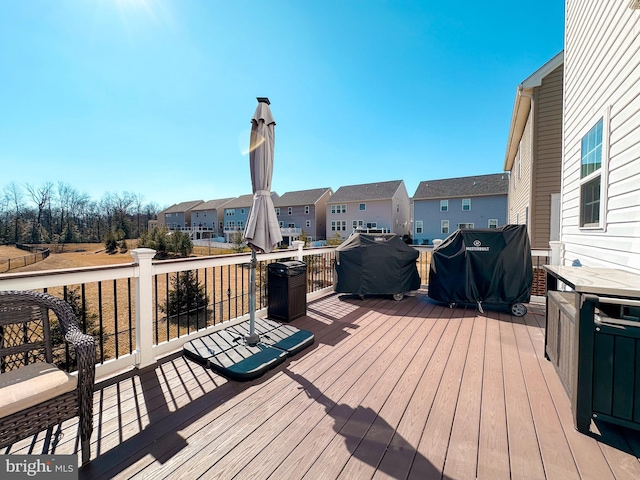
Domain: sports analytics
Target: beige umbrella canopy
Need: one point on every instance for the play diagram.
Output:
(262, 232)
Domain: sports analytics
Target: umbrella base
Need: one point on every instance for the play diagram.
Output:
(229, 352)
(252, 339)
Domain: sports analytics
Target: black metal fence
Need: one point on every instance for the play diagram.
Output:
(37, 255)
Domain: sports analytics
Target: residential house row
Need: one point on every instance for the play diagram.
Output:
(439, 207)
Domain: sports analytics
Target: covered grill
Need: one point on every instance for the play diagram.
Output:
(485, 265)
(376, 264)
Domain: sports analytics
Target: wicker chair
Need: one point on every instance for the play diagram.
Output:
(44, 394)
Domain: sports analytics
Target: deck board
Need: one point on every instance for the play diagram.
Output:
(462, 456)
(493, 454)
(408, 389)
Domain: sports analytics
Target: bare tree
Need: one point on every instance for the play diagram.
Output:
(15, 198)
(41, 197)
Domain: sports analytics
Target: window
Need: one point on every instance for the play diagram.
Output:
(493, 223)
(240, 225)
(466, 204)
(591, 175)
(444, 205)
(354, 225)
(292, 225)
(462, 226)
(337, 225)
(289, 210)
(306, 210)
(281, 224)
(444, 226)
(339, 208)
(277, 210)
(418, 226)
(372, 224)
(242, 211)
(357, 224)
(362, 207)
(230, 212)
(308, 224)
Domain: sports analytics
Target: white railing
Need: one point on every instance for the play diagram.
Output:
(144, 272)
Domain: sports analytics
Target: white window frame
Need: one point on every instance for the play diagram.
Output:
(306, 209)
(308, 224)
(281, 224)
(466, 225)
(602, 172)
(444, 227)
(277, 210)
(419, 227)
(466, 202)
(444, 205)
(492, 223)
(289, 210)
(362, 207)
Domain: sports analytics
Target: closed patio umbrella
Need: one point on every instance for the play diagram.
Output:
(262, 232)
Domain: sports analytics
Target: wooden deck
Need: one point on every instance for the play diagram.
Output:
(390, 389)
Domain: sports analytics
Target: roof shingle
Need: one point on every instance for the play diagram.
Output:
(475, 186)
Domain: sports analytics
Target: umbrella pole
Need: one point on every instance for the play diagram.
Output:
(253, 337)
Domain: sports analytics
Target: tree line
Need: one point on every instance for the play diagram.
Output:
(59, 213)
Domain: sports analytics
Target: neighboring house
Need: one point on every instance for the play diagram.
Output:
(177, 216)
(207, 219)
(534, 154)
(381, 206)
(442, 206)
(236, 213)
(600, 194)
(305, 210)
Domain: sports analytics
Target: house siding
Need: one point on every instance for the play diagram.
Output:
(546, 169)
(520, 178)
(602, 42)
(482, 209)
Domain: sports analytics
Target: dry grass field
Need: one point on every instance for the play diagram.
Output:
(84, 255)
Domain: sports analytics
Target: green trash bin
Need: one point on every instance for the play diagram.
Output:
(286, 290)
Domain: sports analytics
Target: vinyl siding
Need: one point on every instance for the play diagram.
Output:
(602, 58)
(520, 179)
(547, 156)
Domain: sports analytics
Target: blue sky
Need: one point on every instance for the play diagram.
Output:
(155, 97)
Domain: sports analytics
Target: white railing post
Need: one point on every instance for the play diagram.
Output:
(299, 245)
(144, 308)
(556, 252)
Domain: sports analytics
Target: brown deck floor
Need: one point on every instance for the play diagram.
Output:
(390, 389)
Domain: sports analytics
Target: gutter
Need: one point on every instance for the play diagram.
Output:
(521, 108)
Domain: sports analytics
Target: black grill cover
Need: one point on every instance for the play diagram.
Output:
(375, 264)
(489, 265)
